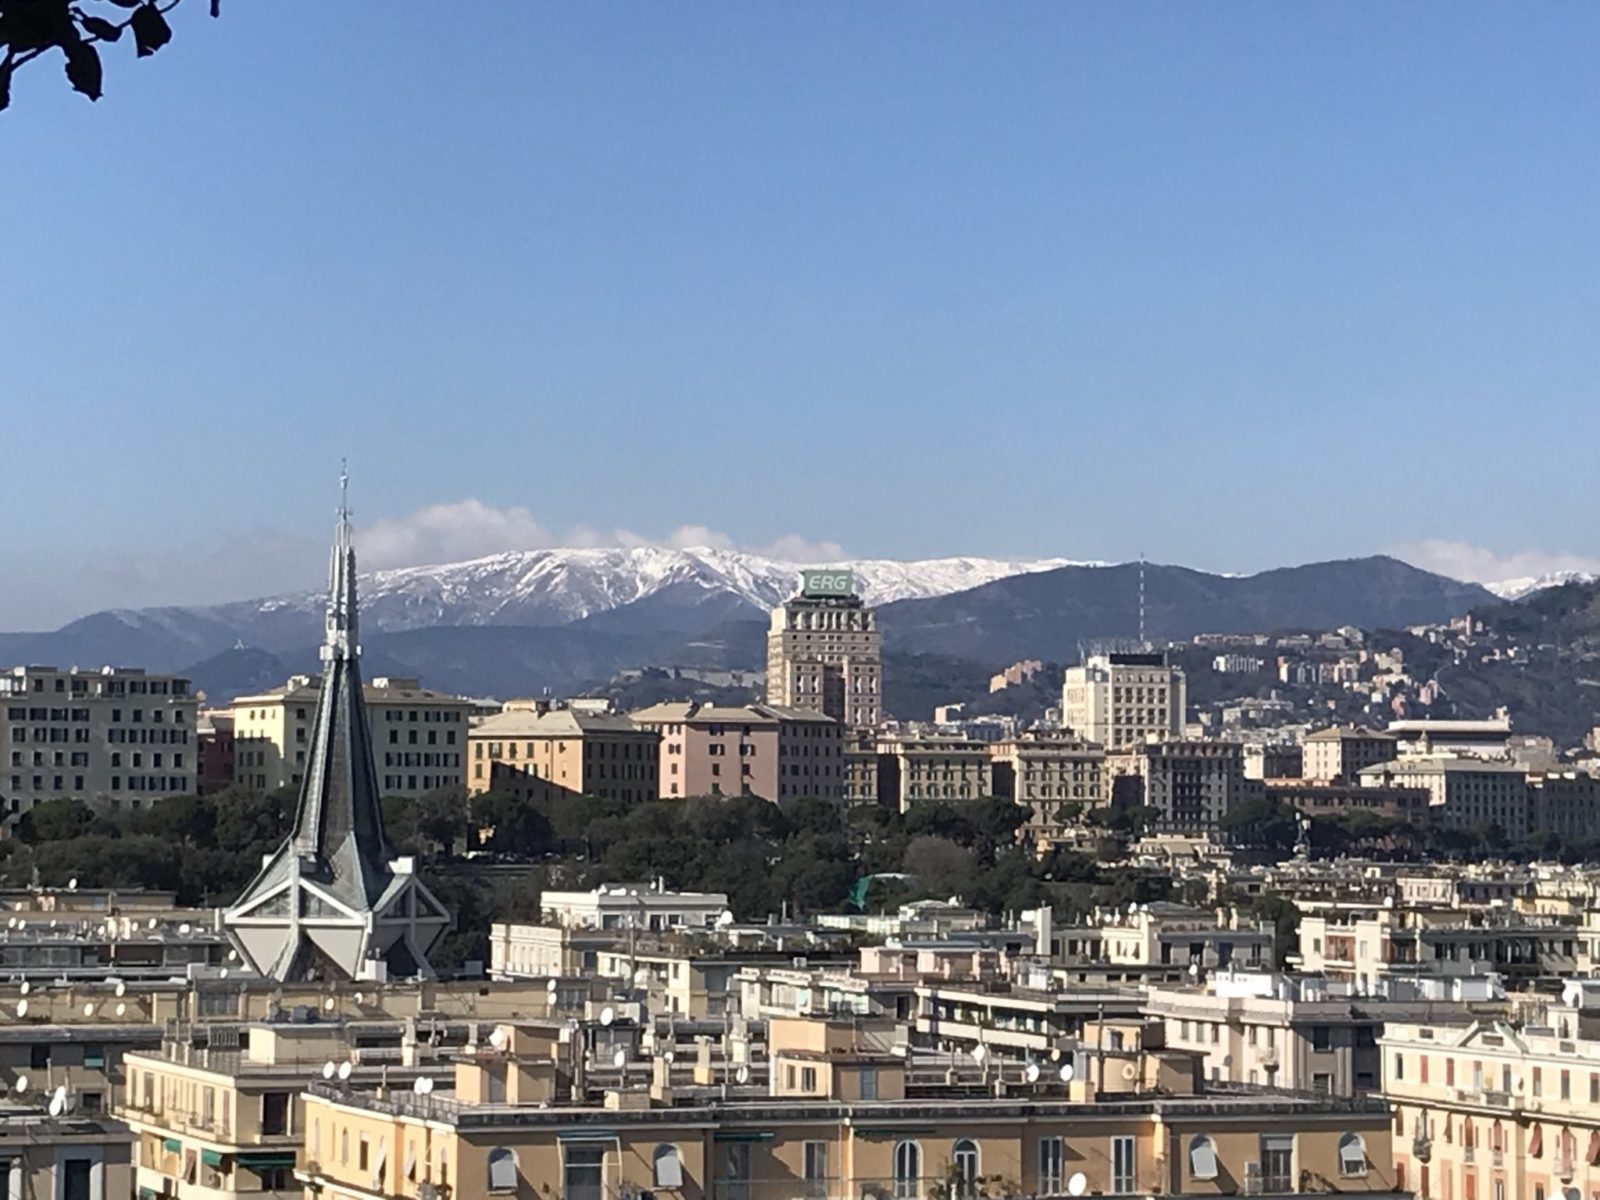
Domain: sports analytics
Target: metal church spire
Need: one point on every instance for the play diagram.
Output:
(331, 903)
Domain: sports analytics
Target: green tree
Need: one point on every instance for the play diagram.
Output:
(58, 820)
(1262, 823)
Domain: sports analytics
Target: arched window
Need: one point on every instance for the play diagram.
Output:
(1352, 1155)
(668, 1167)
(964, 1160)
(1202, 1157)
(502, 1169)
(907, 1171)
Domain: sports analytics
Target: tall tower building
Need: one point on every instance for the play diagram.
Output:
(1122, 699)
(824, 652)
(333, 903)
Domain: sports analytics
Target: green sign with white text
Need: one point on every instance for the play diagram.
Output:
(826, 583)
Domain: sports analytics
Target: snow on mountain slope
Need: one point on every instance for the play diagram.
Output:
(554, 587)
(1516, 589)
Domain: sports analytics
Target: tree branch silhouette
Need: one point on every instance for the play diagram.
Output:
(31, 29)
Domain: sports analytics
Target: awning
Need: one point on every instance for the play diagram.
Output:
(588, 1135)
(211, 1158)
(147, 1193)
(172, 1146)
(266, 1160)
(740, 1135)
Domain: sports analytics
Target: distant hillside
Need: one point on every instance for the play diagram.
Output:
(1049, 613)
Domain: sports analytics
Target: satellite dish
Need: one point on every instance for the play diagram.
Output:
(22, 1008)
(497, 1038)
(121, 989)
(328, 1068)
(424, 1086)
(122, 1010)
(345, 1070)
(1066, 1073)
(980, 1052)
(328, 1004)
(1078, 1184)
(742, 1075)
(551, 985)
(88, 1009)
(21, 1085)
(58, 1102)
(670, 1057)
(233, 956)
(151, 923)
(620, 1058)
(607, 1015)
(360, 998)
(184, 928)
(25, 988)
(1031, 1072)
(223, 973)
(72, 884)
(725, 918)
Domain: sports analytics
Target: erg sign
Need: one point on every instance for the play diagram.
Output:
(827, 583)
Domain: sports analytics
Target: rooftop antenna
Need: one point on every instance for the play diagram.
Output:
(344, 489)
(1143, 645)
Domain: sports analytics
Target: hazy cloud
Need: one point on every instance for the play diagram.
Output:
(1479, 564)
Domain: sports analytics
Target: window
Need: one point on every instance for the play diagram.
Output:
(735, 1183)
(503, 1169)
(39, 1056)
(1352, 1155)
(1052, 1153)
(75, 1179)
(275, 1114)
(584, 1171)
(1202, 1157)
(964, 1160)
(907, 1171)
(1122, 1165)
(1321, 1038)
(816, 1169)
(869, 1083)
(1322, 1083)
(1277, 1163)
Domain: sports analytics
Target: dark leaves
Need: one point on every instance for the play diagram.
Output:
(216, 8)
(5, 85)
(127, 3)
(101, 28)
(150, 29)
(83, 68)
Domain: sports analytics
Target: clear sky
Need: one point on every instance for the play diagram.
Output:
(1234, 285)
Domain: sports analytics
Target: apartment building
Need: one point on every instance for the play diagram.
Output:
(1191, 785)
(1565, 803)
(1321, 799)
(1427, 737)
(214, 750)
(824, 652)
(839, 1117)
(1056, 776)
(116, 735)
(419, 736)
(1340, 753)
(69, 1155)
(1277, 760)
(916, 769)
(761, 750)
(542, 753)
(1463, 793)
(1121, 699)
(1496, 1111)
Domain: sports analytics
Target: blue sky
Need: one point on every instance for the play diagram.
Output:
(1234, 285)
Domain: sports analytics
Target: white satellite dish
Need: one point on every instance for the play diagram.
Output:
(607, 1015)
(151, 923)
(25, 988)
(233, 956)
(423, 1086)
(1066, 1073)
(725, 918)
(742, 1075)
(1078, 1184)
(1031, 1072)
(345, 1070)
(360, 998)
(72, 884)
(670, 1057)
(551, 985)
(21, 1085)
(184, 928)
(328, 1068)
(328, 1004)
(58, 1102)
(22, 1008)
(620, 1058)
(223, 973)
(980, 1052)
(122, 1010)
(497, 1038)
(88, 1009)
(121, 989)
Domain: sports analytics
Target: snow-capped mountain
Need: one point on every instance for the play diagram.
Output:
(555, 587)
(1516, 589)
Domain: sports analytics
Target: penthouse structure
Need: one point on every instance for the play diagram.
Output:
(116, 735)
(824, 652)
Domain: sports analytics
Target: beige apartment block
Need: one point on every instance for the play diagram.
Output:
(824, 652)
(116, 735)
(1192, 785)
(71, 1156)
(1057, 777)
(419, 737)
(918, 769)
(1121, 699)
(761, 750)
(1463, 793)
(542, 754)
(1340, 753)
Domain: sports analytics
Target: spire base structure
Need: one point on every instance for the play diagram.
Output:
(333, 903)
